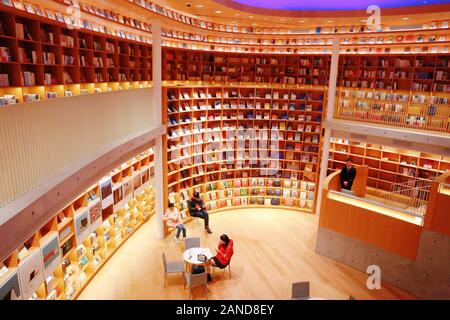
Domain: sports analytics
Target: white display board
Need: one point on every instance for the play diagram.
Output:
(31, 273)
(51, 255)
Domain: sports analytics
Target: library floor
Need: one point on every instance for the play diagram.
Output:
(273, 248)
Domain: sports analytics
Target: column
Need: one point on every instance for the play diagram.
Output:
(157, 121)
(328, 119)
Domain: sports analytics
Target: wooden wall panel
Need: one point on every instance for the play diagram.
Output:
(437, 216)
(441, 215)
(388, 233)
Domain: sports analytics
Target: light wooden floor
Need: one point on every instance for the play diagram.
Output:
(273, 248)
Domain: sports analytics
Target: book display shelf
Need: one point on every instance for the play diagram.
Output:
(62, 257)
(410, 91)
(43, 59)
(387, 165)
(402, 42)
(429, 37)
(244, 145)
(235, 28)
(180, 64)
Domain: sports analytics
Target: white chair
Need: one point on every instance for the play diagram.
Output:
(191, 242)
(196, 280)
(171, 267)
(300, 291)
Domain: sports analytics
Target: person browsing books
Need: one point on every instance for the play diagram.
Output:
(197, 209)
(348, 175)
(174, 219)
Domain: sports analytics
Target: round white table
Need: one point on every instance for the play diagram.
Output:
(190, 256)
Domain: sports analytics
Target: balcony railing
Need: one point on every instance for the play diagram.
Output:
(435, 123)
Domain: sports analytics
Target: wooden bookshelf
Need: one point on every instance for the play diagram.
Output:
(45, 59)
(387, 165)
(78, 240)
(180, 65)
(412, 72)
(205, 25)
(399, 108)
(211, 144)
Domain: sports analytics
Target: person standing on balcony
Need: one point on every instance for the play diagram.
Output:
(348, 175)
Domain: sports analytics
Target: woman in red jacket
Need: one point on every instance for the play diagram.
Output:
(224, 254)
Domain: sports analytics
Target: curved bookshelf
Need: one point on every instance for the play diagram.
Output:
(248, 145)
(74, 245)
(207, 25)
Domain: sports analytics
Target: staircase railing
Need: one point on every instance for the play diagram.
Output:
(411, 195)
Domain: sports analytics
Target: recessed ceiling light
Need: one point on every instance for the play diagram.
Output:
(199, 5)
(330, 21)
(237, 14)
(301, 21)
(266, 18)
(251, 17)
(405, 18)
(363, 20)
(254, 24)
(218, 11)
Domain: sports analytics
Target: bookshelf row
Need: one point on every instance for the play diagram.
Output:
(434, 33)
(439, 38)
(62, 257)
(222, 67)
(417, 110)
(33, 53)
(232, 133)
(225, 194)
(415, 72)
(397, 72)
(71, 19)
(432, 39)
(387, 165)
(366, 46)
(209, 25)
(14, 95)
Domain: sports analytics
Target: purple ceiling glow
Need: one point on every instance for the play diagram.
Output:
(330, 5)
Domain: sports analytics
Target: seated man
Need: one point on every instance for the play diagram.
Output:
(197, 209)
(348, 175)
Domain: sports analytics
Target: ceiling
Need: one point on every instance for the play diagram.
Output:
(333, 5)
(231, 12)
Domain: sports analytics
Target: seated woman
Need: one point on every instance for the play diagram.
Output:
(223, 254)
(174, 219)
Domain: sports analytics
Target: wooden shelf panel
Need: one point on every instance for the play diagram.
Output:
(42, 53)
